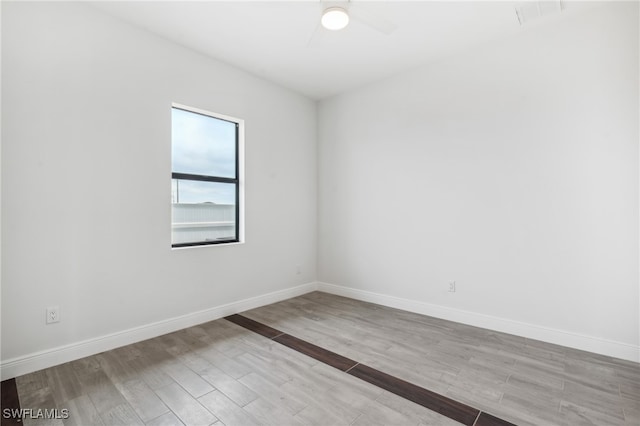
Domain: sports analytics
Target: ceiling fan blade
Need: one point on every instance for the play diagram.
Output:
(375, 21)
(317, 33)
(315, 36)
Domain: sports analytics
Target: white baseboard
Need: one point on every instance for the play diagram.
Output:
(44, 359)
(558, 337)
(37, 361)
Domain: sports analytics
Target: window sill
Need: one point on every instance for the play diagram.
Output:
(191, 246)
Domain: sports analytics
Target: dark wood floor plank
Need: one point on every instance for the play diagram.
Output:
(254, 326)
(10, 401)
(431, 400)
(488, 420)
(316, 352)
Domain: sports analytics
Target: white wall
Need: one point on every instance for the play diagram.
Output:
(512, 169)
(86, 181)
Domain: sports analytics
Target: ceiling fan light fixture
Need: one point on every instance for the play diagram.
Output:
(335, 18)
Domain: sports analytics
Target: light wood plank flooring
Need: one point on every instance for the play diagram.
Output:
(220, 373)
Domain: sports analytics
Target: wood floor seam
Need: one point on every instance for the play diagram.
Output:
(476, 420)
(486, 419)
(352, 367)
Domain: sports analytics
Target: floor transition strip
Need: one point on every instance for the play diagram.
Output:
(441, 404)
(10, 401)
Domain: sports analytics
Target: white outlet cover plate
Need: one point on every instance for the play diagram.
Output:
(53, 314)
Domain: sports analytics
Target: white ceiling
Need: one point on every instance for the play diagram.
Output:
(281, 41)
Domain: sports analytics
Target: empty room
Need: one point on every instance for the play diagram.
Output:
(320, 213)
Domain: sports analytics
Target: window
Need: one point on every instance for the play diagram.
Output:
(205, 178)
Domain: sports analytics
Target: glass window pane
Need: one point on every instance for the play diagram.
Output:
(202, 145)
(202, 211)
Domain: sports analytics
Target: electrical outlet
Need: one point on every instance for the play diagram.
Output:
(452, 286)
(53, 314)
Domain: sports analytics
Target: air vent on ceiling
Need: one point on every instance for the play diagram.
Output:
(530, 10)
